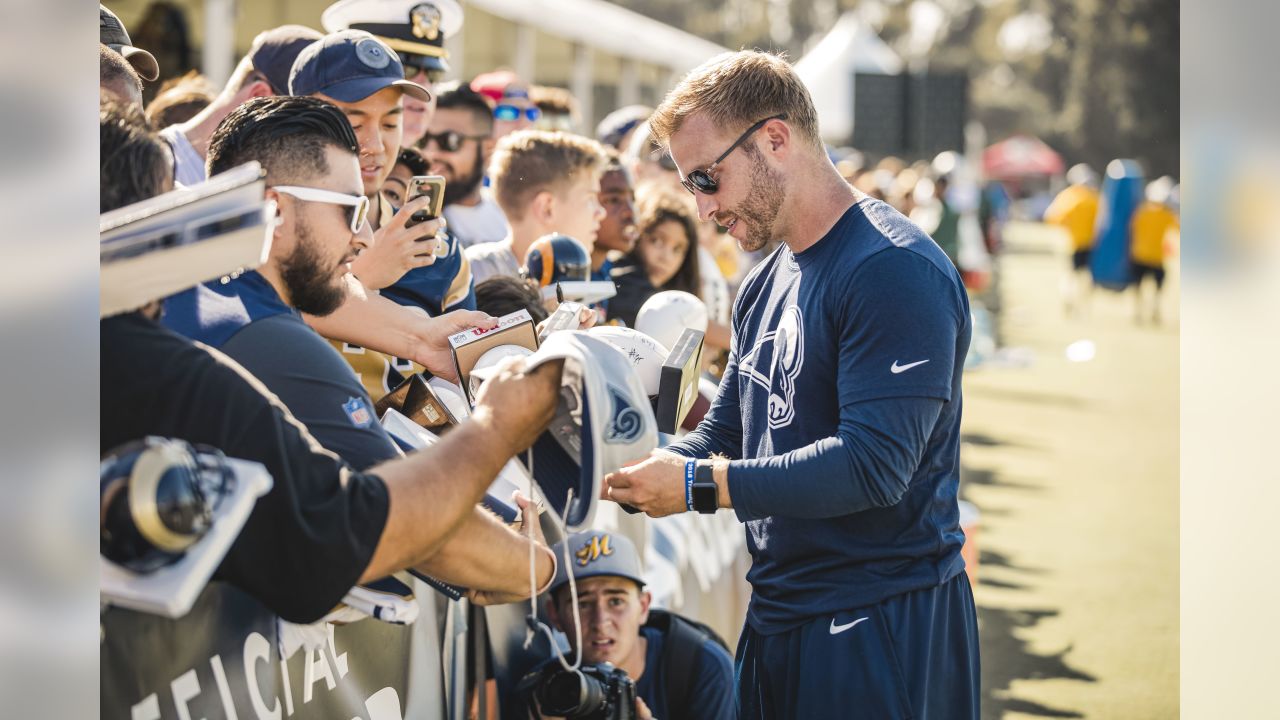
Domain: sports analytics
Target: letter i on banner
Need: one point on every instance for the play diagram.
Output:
(224, 691)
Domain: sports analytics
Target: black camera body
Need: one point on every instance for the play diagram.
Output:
(593, 692)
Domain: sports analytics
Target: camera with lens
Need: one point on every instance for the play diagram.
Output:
(593, 692)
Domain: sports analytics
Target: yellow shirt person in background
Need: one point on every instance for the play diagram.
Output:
(1076, 210)
(1149, 231)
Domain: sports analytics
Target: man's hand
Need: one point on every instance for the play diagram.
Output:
(516, 405)
(431, 347)
(544, 568)
(398, 249)
(642, 710)
(654, 485)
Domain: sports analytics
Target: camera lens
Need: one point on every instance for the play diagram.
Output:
(572, 695)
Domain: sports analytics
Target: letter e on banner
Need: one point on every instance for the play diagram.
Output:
(148, 709)
(185, 687)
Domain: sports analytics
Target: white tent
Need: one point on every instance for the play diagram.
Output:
(828, 70)
(603, 26)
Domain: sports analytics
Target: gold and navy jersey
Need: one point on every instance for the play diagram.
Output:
(438, 288)
(379, 373)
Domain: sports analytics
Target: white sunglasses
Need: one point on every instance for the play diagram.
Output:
(359, 204)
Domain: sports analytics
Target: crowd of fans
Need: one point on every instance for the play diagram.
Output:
(341, 124)
(360, 292)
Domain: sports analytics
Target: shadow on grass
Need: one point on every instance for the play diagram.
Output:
(987, 478)
(1006, 658)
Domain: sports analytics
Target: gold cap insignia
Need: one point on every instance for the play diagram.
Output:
(425, 19)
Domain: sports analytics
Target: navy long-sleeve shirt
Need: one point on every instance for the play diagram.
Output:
(840, 411)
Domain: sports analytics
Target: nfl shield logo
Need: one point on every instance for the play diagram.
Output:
(358, 412)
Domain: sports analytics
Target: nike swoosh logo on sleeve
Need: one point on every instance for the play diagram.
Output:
(896, 368)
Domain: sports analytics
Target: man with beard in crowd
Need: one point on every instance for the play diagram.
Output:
(413, 264)
(458, 146)
(308, 152)
(365, 79)
(323, 526)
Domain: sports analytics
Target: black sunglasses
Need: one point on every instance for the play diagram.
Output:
(449, 140)
(414, 64)
(700, 181)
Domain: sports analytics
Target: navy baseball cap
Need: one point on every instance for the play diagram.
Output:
(594, 553)
(274, 51)
(350, 65)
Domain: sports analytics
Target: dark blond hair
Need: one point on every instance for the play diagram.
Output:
(736, 90)
(180, 99)
(531, 161)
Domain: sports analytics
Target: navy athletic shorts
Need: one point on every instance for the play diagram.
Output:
(914, 655)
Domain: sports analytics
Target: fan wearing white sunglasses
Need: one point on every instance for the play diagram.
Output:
(309, 153)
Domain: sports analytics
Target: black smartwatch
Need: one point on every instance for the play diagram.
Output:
(705, 497)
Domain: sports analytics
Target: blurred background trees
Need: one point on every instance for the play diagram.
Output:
(1096, 79)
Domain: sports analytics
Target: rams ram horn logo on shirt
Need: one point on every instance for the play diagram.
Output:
(626, 423)
(595, 549)
(774, 363)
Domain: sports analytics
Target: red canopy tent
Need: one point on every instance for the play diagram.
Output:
(1021, 156)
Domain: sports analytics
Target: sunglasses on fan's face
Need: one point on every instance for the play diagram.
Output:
(357, 206)
(415, 65)
(700, 181)
(513, 112)
(449, 140)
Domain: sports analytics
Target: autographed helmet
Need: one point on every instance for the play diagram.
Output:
(665, 315)
(157, 500)
(645, 354)
(557, 258)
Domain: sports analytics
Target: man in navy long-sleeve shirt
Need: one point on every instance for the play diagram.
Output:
(835, 433)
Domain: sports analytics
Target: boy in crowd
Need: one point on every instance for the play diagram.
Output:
(545, 182)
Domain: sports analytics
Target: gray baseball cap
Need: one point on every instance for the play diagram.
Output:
(111, 33)
(597, 552)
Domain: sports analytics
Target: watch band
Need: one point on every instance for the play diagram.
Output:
(705, 495)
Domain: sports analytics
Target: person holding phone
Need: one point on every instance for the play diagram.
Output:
(365, 78)
(406, 262)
